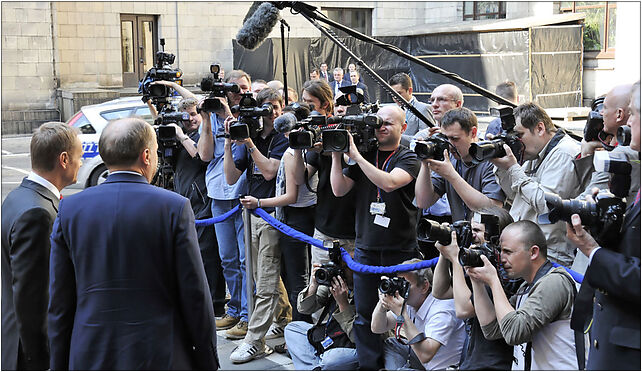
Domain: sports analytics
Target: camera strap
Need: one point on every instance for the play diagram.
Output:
(551, 145)
(398, 325)
(384, 167)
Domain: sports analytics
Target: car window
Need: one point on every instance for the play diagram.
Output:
(116, 114)
(143, 113)
(81, 122)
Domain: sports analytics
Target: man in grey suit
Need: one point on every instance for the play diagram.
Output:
(28, 214)
(402, 84)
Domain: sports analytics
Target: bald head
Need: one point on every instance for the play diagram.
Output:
(445, 97)
(392, 113)
(615, 110)
(122, 142)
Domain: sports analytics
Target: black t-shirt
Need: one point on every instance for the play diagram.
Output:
(272, 147)
(333, 216)
(189, 179)
(483, 354)
(401, 233)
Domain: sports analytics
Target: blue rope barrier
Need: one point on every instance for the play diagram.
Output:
(217, 219)
(577, 276)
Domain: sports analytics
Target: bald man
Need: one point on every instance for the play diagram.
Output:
(615, 113)
(127, 283)
(385, 218)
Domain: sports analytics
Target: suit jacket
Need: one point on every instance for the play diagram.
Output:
(128, 288)
(366, 96)
(613, 278)
(28, 214)
(333, 83)
(327, 76)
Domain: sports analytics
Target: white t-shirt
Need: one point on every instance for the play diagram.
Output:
(438, 321)
(305, 198)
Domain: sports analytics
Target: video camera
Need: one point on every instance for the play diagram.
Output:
(431, 148)
(162, 70)
(485, 150)
(332, 269)
(249, 124)
(217, 88)
(389, 286)
(603, 218)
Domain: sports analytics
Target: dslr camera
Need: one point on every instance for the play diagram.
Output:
(432, 231)
(603, 218)
(389, 286)
(620, 169)
(361, 121)
(216, 88)
(485, 150)
(332, 269)
(432, 148)
(594, 121)
(162, 70)
(249, 123)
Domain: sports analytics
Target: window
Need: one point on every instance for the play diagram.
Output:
(599, 24)
(116, 114)
(474, 10)
(358, 19)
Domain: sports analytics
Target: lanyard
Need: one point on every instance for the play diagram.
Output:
(385, 165)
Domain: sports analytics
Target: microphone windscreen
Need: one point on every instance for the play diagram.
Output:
(258, 26)
(252, 10)
(285, 122)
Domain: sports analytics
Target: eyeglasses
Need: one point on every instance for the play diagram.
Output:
(440, 99)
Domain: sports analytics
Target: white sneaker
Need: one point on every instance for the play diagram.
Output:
(275, 331)
(246, 352)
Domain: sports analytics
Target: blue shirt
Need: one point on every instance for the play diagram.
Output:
(217, 187)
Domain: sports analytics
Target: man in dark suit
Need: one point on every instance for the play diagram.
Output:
(28, 214)
(128, 287)
(612, 282)
(323, 74)
(354, 80)
(338, 81)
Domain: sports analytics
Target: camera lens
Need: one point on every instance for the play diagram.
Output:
(335, 140)
(301, 140)
(470, 257)
(485, 150)
(562, 210)
(428, 230)
(624, 135)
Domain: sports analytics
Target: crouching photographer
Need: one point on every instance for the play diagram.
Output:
(328, 344)
(450, 281)
(434, 337)
(536, 320)
(610, 291)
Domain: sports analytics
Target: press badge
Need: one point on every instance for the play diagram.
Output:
(327, 342)
(378, 208)
(382, 221)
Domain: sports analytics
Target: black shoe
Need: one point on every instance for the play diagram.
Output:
(282, 349)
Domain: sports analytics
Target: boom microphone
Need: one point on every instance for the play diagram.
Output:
(285, 122)
(258, 26)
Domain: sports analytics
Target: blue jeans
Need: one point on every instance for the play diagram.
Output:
(400, 357)
(303, 354)
(229, 235)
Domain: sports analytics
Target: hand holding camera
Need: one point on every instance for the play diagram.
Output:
(393, 293)
(506, 161)
(450, 251)
(339, 290)
(486, 274)
(443, 167)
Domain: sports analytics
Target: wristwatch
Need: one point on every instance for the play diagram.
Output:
(251, 149)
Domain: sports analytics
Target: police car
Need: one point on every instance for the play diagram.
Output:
(91, 120)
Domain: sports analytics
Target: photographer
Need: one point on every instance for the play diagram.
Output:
(434, 335)
(338, 299)
(468, 185)
(259, 158)
(536, 320)
(334, 216)
(385, 219)
(612, 282)
(479, 353)
(548, 167)
(189, 181)
(229, 233)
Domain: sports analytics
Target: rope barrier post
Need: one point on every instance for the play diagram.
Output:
(249, 278)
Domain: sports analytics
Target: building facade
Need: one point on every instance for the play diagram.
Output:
(57, 56)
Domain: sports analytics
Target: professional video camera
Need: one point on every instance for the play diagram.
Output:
(328, 271)
(485, 150)
(620, 169)
(432, 231)
(603, 218)
(389, 286)
(162, 70)
(432, 148)
(217, 88)
(594, 121)
(249, 123)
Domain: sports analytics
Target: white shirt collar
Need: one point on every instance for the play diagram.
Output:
(127, 172)
(422, 313)
(44, 183)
